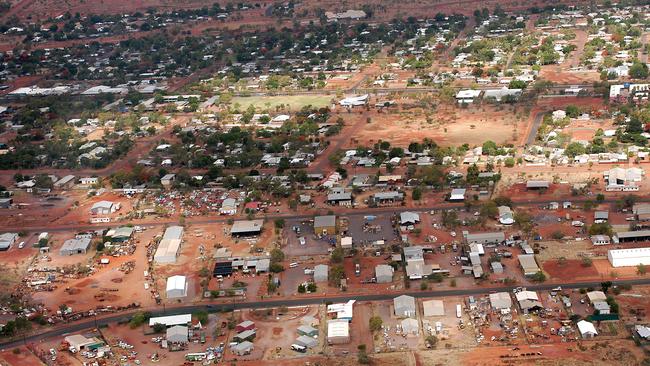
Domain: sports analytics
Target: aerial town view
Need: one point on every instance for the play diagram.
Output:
(319, 182)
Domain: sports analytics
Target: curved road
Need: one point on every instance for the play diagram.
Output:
(211, 307)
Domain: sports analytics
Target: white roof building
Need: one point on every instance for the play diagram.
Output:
(338, 331)
(500, 300)
(171, 320)
(176, 287)
(354, 101)
(587, 329)
(103, 208)
(457, 194)
(629, 257)
(467, 95)
(169, 245)
(642, 331)
(343, 311)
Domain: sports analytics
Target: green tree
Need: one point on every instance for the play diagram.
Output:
(538, 277)
(489, 209)
(337, 256)
(431, 341)
(362, 355)
(375, 323)
(417, 193)
(277, 255)
(159, 328)
(138, 319)
(201, 316)
(337, 273)
(639, 70)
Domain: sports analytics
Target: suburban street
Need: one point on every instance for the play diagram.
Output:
(217, 307)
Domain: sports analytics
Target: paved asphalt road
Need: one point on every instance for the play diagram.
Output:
(90, 323)
(534, 128)
(272, 216)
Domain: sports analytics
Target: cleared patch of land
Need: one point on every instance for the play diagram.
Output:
(292, 102)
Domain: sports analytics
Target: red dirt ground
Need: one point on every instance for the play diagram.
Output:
(24, 358)
(571, 270)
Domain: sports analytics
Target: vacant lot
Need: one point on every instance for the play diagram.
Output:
(447, 126)
(293, 103)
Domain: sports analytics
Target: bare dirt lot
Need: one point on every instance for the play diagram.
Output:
(448, 125)
(19, 358)
(107, 285)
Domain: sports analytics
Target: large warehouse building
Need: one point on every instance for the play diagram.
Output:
(629, 257)
(631, 236)
(169, 245)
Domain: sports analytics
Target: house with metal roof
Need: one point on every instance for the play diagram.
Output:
(75, 246)
(387, 198)
(409, 218)
(121, 234)
(499, 95)
(506, 216)
(7, 240)
(500, 300)
(245, 325)
(643, 331)
(404, 306)
(340, 197)
(433, 308)
(600, 240)
(79, 342)
(177, 334)
(104, 208)
(247, 335)
(247, 227)
(242, 349)
(601, 216)
(307, 341)
(321, 273)
(325, 225)
(307, 330)
(457, 194)
(537, 184)
(528, 301)
(587, 329)
(410, 327)
(528, 264)
(384, 273)
(485, 238)
(343, 311)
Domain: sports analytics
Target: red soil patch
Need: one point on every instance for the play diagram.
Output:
(571, 270)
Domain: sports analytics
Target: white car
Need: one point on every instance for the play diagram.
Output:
(302, 240)
(21, 245)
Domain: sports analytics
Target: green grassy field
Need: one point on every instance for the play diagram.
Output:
(291, 102)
